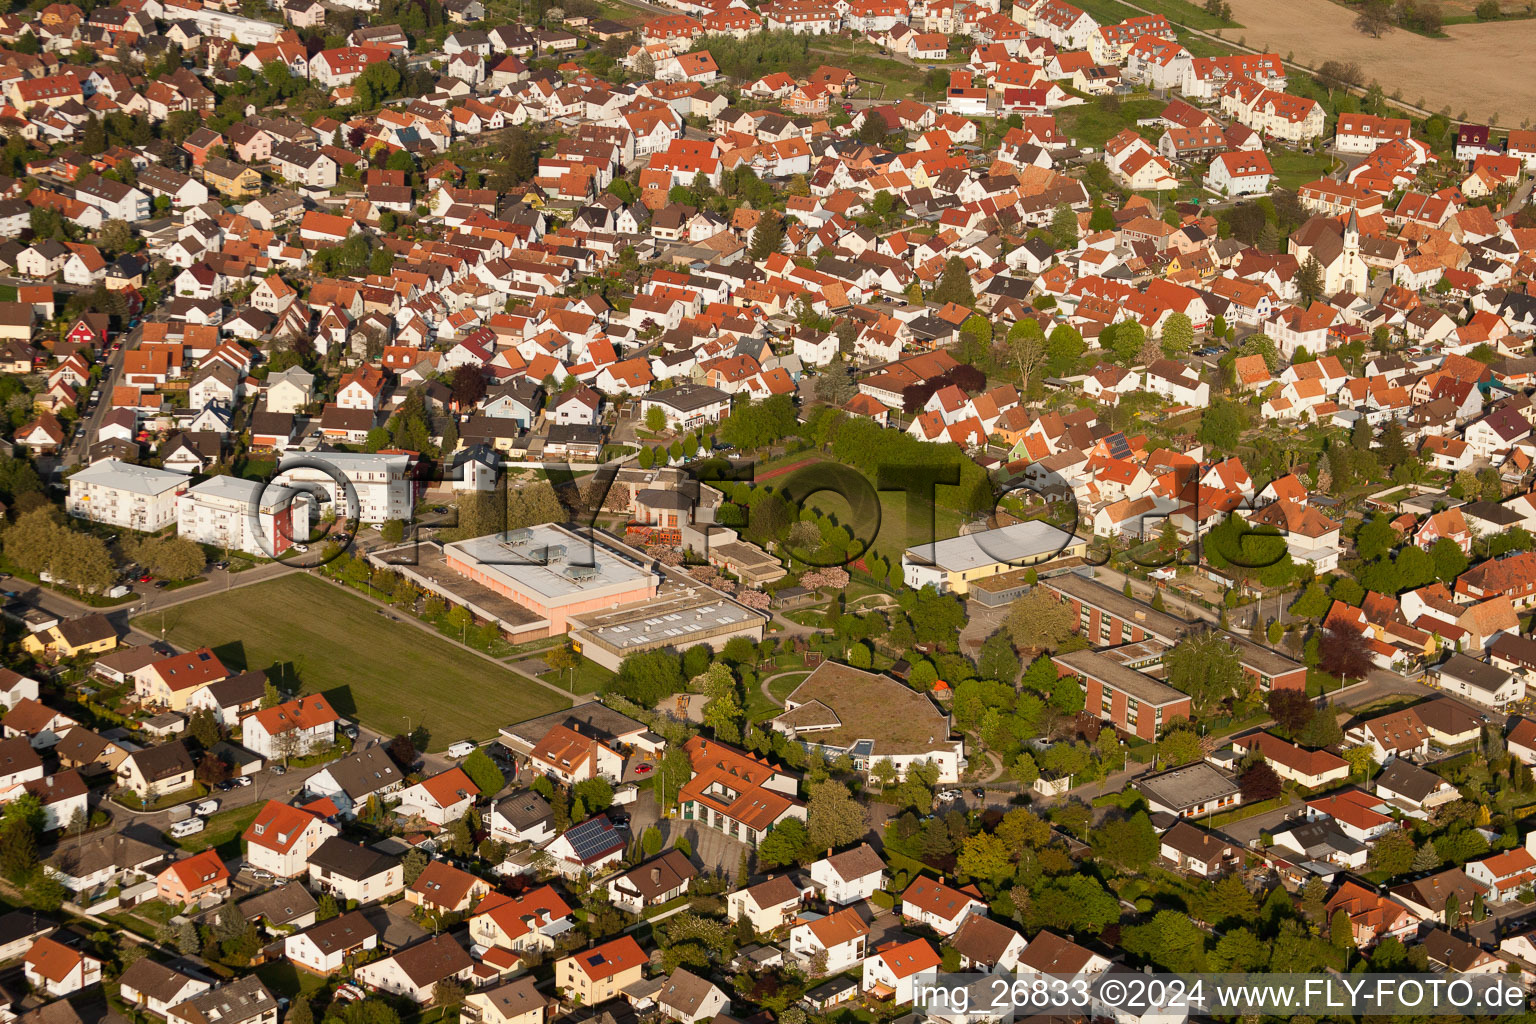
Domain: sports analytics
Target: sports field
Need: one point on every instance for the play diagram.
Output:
(380, 672)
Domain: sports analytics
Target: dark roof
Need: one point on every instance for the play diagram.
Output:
(524, 808)
(279, 906)
(342, 933)
(162, 762)
(336, 856)
(241, 1000)
(429, 962)
(365, 772)
(1410, 780)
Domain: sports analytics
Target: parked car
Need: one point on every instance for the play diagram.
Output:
(243, 780)
(187, 827)
(278, 769)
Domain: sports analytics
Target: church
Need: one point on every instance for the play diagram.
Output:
(1337, 251)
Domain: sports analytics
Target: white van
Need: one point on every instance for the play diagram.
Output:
(463, 748)
(187, 827)
(206, 807)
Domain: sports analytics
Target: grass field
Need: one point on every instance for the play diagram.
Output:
(380, 672)
(1293, 169)
(222, 832)
(589, 677)
(1091, 124)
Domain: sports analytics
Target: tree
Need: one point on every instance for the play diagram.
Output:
(482, 771)
(1259, 782)
(116, 236)
(1037, 621)
(788, 842)
(1290, 709)
(326, 908)
(1179, 746)
(767, 237)
(997, 659)
(1333, 74)
(1129, 843)
(1125, 342)
(1345, 653)
(651, 841)
(1375, 538)
(655, 419)
(984, 856)
(874, 129)
(1374, 18)
(1064, 227)
(955, 284)
(1309, 278)
(1361, 761)
(1450, 561)
(1178, 336)
(1393, 853)
(467, 385)
(1221, 424)
(833, 817)
(204, 728)
(1208, 667)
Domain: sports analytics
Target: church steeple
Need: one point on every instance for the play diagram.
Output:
(1352, 233)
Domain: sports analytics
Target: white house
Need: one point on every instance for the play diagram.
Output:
(441, 799)
(291, 729)
(281, 839)
(849, 877)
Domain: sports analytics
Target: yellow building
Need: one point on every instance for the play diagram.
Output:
(234, 180)
(89, 634)
(950, 566)
(601, 973)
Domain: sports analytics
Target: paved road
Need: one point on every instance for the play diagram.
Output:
(85, 432)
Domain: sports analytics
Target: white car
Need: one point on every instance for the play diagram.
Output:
(206, 807)
(187, 827)
(463, 748)
(949, 795)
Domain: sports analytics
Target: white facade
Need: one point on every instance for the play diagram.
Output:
(377, 488)
(243, 515)
(122, 494)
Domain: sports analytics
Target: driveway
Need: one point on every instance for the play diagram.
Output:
(712, 850)
(1246, 831)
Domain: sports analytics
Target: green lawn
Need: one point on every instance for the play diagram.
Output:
(7, 293)
(1294, 169)
(222, 832)
(287, 980)
(589, 677)
(785, 685)
(1091, 124)
(380, 672)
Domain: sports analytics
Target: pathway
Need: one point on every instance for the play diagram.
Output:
(778, 675)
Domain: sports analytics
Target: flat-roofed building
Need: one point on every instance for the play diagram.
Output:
(1129, 700)
(1190, 790)
(950, 565)
(243, 515)
(608, 637)
(122, 494)
(1107, 616)
(871, 718)
(552, 572)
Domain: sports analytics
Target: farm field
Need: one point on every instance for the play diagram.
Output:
(1483, 69)
(379, 672)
